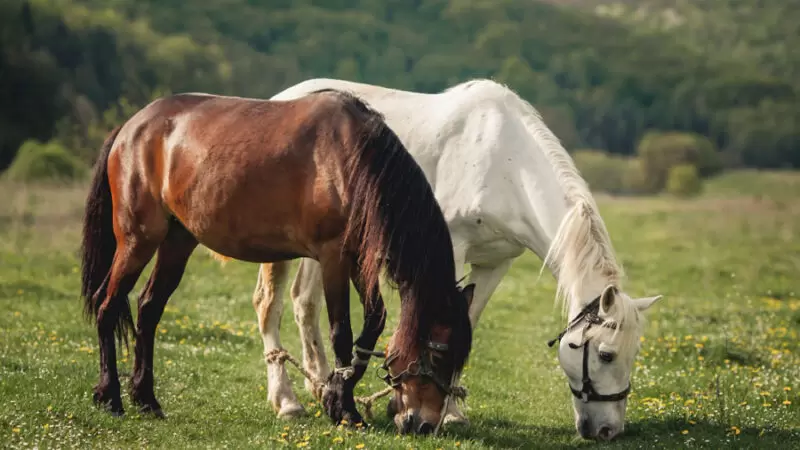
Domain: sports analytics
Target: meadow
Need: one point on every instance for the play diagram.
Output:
(719, 365)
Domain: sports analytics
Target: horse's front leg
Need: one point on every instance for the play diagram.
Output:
(338, 399)
(486, 279)
(374, 322)
(307, 297)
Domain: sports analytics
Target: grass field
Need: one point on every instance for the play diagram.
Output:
(719, 366)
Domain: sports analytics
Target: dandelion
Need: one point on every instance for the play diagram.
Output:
(360, 446)
(319, 413)
(302, 444)
(764, 393)
(787, 402)
(699, 345)
(15, 430)
(685, 432)
(338, 440)
(787, 389)
(458, 444)
(736, 431)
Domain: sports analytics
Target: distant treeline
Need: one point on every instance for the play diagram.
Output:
(71, 69)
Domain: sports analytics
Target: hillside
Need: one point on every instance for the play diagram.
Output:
(764, 33)
(599, 81)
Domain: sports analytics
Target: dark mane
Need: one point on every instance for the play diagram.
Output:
(410, 236)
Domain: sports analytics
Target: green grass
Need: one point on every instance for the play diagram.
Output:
(719, 365)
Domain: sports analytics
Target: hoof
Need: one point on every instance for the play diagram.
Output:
(339, 404)
(110, 403)
(291, 411)
(147, 410)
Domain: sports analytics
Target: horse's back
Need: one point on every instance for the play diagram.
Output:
(268, 173)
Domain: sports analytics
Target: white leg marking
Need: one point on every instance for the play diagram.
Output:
(308, 296)
(268, 303)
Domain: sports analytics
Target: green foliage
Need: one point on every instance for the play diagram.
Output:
(68, 61)
(660, 151)
(605, 172)
(684, 180)
(50, 161)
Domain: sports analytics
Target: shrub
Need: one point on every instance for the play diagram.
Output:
(609, 173)
(36, 161)
(684, 181)
(661, 151)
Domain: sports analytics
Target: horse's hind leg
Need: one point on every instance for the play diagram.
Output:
(173, 254)
(132, 254)
(268, 303)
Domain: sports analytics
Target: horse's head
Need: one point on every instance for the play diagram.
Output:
(596, 352)
(423, 379)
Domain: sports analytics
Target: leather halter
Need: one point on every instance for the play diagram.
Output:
(422, 367)
(589, 314)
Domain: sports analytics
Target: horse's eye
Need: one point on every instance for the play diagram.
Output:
(606, 357)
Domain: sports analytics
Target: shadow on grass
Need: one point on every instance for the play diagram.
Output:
(653, 433)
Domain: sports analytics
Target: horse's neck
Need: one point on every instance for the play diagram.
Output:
(548, 200)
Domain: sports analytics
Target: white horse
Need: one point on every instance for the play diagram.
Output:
(505, 184)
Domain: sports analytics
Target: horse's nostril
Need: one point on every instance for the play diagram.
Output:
(407, 425)
(585, 429)
(604, 433)
(425, 428)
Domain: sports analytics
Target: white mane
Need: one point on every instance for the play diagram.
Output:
(581, 247)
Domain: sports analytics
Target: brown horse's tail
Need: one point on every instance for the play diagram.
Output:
(99, 243)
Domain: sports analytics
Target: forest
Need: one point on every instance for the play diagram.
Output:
(605, 75)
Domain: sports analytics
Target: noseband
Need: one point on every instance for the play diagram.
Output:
(587, 394)
(420, 367)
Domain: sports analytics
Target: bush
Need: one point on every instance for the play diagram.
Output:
(661, 151)
(36, 161)
(608, 172)
(684, 181)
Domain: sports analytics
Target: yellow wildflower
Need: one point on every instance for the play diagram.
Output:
(685, 432)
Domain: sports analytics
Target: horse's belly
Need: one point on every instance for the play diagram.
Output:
(492, 252)
(486, 241)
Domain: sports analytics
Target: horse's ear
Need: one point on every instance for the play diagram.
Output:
(469, 292)
(646, 302)
(607, 300)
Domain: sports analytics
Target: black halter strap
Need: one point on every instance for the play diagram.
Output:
(589, 314)
(587, 392)
(422, 366)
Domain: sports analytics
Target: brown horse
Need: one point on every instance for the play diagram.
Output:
(266, 181)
